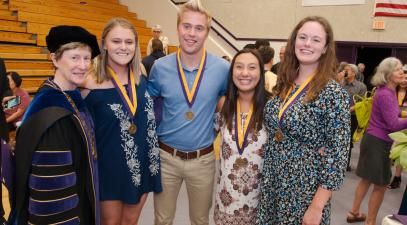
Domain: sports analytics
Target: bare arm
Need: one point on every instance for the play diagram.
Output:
(313, 215)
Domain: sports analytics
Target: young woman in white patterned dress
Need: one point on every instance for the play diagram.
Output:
(243, 139)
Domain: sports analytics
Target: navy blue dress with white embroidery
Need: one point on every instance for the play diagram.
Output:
(129, 164)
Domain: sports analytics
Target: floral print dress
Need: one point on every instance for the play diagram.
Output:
(312, 154)
(129, 163)
(238, 181)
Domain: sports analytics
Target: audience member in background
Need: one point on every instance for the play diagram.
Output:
(15, 114)
(308, 123)
(4, 88)
(374, 166)
(157, 53)
(354, 87)
(250, 46)
(55, 152)
(128, 154)
(261, 42)
(402, 100)
(190, 83)
(340, 77)
(361, 69)
(227, 58)
(276, 66)
(240, 122)
(157, 34)
(267, 54)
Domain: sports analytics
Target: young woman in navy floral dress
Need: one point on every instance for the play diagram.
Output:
(122, 110)
(308, 121)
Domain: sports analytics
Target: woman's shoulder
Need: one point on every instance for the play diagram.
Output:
(334, 87)
(384, 91)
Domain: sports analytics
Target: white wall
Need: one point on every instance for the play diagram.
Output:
(276, 18)
(272, 19)
(164, 12)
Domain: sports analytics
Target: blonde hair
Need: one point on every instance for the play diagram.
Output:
(194, 6)
(384, 71)
(102, 74)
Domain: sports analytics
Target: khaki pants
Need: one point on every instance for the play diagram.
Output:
(199, 177)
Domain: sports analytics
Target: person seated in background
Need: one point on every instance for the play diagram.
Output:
(15, 114)
(157, 31)
(267, 54)
(158, 52)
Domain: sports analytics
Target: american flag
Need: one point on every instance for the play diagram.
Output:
(397, 8)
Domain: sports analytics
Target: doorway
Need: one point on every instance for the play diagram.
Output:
(371, 57)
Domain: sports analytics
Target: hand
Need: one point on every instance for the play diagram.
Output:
(341, 75)
(5, 99)
(312, 216)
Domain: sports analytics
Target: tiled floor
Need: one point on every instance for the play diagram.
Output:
(341, 202)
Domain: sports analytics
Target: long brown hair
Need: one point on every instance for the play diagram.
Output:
(289, 67)
(259, 99)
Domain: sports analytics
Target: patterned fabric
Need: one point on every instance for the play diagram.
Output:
(129, 164)
(238, 182)
(312, 154)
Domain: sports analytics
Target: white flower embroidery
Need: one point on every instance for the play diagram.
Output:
(152, 139)
(128, 143)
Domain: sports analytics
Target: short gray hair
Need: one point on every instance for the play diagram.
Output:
(354, 68)
(384, 71)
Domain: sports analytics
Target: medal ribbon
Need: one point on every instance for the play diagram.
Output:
(130, 99)
(190, 95)
(290, 101)
(241, 132)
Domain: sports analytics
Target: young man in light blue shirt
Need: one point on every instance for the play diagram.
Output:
(190, 84)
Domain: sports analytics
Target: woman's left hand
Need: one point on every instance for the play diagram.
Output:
(312, 216)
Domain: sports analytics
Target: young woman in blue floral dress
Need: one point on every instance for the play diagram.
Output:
(122, 110)
(308, 121)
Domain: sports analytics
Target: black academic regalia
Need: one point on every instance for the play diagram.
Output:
(56, 169)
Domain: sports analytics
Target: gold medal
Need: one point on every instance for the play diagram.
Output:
(189, 115)
(279, 136)
(241, 162)
(132, 128)
(190, 94)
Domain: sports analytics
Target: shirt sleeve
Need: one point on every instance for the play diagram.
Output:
(153, 85)
(362, 90)
(55, 176)
(335, 153)
(390, 113)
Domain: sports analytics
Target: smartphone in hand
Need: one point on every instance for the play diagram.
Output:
(12, 102)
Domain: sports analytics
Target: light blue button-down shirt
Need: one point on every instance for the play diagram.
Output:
(174, 130)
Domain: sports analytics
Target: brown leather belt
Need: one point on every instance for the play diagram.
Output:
(186, 155)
